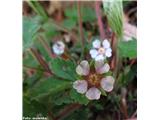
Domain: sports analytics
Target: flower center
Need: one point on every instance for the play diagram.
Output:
(101, 50)
(93, 79)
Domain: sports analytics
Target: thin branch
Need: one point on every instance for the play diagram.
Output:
(113, 61)
(46, 46)
(40, 60)
(80, 27)
(100, 23)
(80, 22)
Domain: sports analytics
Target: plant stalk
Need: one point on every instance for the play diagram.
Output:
(80, 27)
(100, 23)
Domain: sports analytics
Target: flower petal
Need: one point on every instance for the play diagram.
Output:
(108, 52)
(81, 86)
(93, 53)
(99, 57)
(83, 68)
(96, 43)
(106, 43)
(107, 83)
(101, 67)
(93, 93)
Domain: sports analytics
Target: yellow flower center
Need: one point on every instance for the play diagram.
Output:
(94, 79)
(101, 50)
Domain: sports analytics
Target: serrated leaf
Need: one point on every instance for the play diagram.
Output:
(47, 86)
(64, 69)
(128, 49)
(30, 28)
(77, 97)
(114, 12)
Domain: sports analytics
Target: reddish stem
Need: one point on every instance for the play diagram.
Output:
(46, 46)
(80, 22)
(113, 61)
(41, 60)
(100, 23)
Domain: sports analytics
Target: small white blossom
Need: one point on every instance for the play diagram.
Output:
(58, 47)
(92, 80)
(100, 52)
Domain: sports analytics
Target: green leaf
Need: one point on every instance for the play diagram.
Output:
(88, 14)
(49, 29)
(114, 12)
(40, 47)
(29, 60)
(30, 28)
(77, 97)
(65, 69)
(72, 13)
(47, 86)
(33, 108)
(69, 23)
(81, 114)
(36, 6)
(128, 49)
(62, 98)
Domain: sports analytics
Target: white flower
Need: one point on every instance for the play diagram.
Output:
(100, 52)
(93, 80)
(58, 48)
